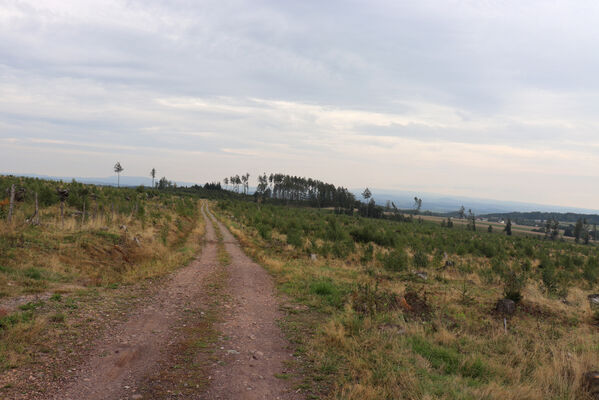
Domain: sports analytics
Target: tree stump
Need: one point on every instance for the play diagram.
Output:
(591, 383)
(506, 306)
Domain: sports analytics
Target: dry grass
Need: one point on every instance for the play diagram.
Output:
(75, 258)
(460, 351)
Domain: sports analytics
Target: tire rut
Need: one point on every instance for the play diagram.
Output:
(131, 351)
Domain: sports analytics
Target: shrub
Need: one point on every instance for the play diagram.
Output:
(396, 260)
(369, 300)
(294, 237)
(591, 270)
(420, 259)
(514, 282)
(264, 230)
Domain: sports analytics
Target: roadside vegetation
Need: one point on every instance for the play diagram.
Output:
(83, 258)
(408, 309)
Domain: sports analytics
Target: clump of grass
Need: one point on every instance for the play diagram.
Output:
(370, 300)
(57, 318)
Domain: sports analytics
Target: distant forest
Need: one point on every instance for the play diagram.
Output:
(527, 218)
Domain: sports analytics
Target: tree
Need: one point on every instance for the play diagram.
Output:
(226, 182)
(366, 194)
(508, 227)
(462, 212)
(471, 221)
(490, 229)
(578, 230)
(417, 205)
(555, 229)
(153, 175)
(118, 168)
(262, 184)
(245, 179)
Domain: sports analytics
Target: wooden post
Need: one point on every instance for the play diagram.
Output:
(62, 212)
(83, 216)
(36, 216)
(12, 203)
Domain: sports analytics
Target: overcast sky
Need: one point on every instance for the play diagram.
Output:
(491, 99)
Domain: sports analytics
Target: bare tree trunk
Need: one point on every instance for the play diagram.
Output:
(36, 216)
(12, 203)
(83, 216)
(62, 212)
(112, 210)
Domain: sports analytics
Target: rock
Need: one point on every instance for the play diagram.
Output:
(421, 274)
(232, 352)
(591, 383)
(449, 264)
(124, 227)
(257, 355)
(313, 257)
(593, 300)
(506, 306)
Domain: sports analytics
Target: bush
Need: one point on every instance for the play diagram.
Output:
(294, 237)
(420, 259)
(396, 261)
(369, 300)
(514, 282)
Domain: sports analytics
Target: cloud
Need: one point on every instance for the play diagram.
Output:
(493, 99)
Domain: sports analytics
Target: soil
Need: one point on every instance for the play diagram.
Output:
(251, 359)
(256, 353)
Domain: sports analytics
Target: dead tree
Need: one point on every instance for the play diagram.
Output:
(64, 194)
(11, 203)
(36, 217)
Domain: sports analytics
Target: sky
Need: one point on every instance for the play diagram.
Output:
(487, 99)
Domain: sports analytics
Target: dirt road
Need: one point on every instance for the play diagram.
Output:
(257, 351)
(252, 358)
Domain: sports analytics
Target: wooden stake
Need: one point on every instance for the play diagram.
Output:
(505, 325)
(36, 216)
(12, 203)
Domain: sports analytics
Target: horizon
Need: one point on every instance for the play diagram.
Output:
(381, 193)
(490, 101)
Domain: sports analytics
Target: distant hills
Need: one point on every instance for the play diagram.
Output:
(439, 203)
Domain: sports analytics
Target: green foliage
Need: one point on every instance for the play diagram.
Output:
(396, 260)
(514, 280)
(420, 259)
(328, 290)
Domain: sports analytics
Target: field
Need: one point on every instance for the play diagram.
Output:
(374, 308)
(388, 310)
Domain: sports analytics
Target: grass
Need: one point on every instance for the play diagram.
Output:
(366, 326)
(78, 265)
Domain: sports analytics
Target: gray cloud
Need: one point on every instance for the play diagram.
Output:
(501, 94)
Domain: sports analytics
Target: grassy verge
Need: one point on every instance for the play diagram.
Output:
(65, 284)
(366, 325)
